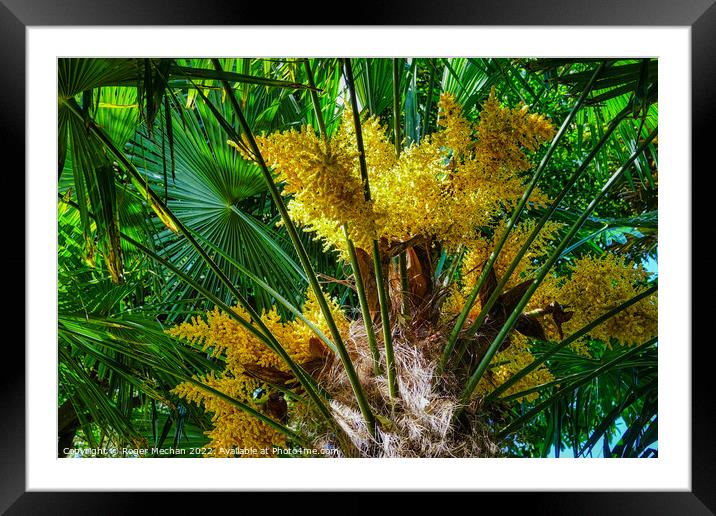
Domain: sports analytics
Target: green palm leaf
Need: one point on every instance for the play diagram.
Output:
(215, 194)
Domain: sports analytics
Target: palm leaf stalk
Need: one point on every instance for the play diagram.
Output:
(314, 99)
(300, 250)
(470, 301)
(360, 285)
(363, 302)
(543, 271)
(203, 73)
(544, 386)
(402, 260)
(475, 326)
(377, 265)
(269, 340)
(429, 101)
(566, 342)
(570, 387)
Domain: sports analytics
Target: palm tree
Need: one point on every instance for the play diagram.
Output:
(176, 197)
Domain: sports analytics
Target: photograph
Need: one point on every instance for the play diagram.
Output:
(358, 257)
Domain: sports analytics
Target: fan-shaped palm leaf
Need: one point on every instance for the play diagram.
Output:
(214, 194)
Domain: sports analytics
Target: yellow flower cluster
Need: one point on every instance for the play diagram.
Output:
(413, 200)
(456, 131)
(322, 178)
(225, 337)
(233, 429)
(595, 286)
(504, 133)
(485, 173)
(478, 254)
(479, 251)
(443, 189)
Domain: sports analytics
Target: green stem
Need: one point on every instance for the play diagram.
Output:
(572, 338)
(496, 63)
(396, 107)
(302, 255)
(475, 326)
(570, 387)
(429, 102)
(544, 386)
(450, 274)
(315, 101)
(542, 273)
(270, 290)
(377, 266)
(363, 301)
(360, 284)
(470, 301)
(402, 260)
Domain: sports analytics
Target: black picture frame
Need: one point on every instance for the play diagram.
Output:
(17, 15)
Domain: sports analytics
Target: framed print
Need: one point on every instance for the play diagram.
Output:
(425, 254)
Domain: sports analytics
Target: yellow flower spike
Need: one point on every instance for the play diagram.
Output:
(479, 251)
(233, 428)
(456, 129)
(595, 286)
(325, 182)
(610, 280)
